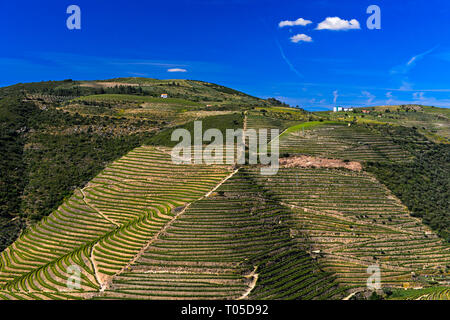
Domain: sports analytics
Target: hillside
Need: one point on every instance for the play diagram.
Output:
(90, 186)
(431, 121)
(57, 135)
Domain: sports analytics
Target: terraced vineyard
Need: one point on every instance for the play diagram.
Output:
(432, 293)
(225, 246)
(104, 226)
(341, 141)
(149, 228)
(257, 121)
(356, 222)
(440, 294)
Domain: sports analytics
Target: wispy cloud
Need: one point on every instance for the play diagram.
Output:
(370, 97)
(419, 96)
(338, 24)
(390, 97)
(405, 68)
(301, 37)
(406, 86)
(335, 96)
(176, 70)
(291, 66)
(298, 22)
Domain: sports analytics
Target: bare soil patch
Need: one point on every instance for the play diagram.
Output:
(314, 162)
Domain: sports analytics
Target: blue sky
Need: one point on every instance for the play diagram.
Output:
(240, 44)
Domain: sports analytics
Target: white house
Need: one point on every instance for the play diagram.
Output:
(164, 95)
(337, 109)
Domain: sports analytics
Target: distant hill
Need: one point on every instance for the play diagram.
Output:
(432, 121)
(196, 91)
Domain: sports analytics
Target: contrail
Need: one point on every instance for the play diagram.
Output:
(291, 66)
(287, 60)
(335, 95)
(421, 55)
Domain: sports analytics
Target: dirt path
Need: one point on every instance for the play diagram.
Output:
(352, 294)
(97, 274)
(245, 121)
(96, 210)
(278, 136)
(156, 236)
(105, 283)
(221, 183)
(252, 284)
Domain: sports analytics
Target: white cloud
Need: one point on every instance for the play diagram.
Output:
(419, 96)
(390, 97)
(406, 86)
(298, 22)
(335, 96)
(301, 37)
(369, 96)
(176, 70)
(336, 23)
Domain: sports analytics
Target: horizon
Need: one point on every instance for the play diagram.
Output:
(314, 55)
(310, 109)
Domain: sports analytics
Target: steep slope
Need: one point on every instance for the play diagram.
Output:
(55, 136)
(355, 222)
(338, 140)
(230, 245)
(104, 225)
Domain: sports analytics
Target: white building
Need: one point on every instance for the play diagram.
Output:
(337, 109)
(164, 95)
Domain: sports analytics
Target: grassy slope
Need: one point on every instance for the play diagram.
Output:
(306, 125)
(223, 122)
(124, 98)
(431, 121)
(191, 90)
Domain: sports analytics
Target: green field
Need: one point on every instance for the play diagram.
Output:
(126, 98)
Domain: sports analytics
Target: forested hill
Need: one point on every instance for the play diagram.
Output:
(46, 154)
